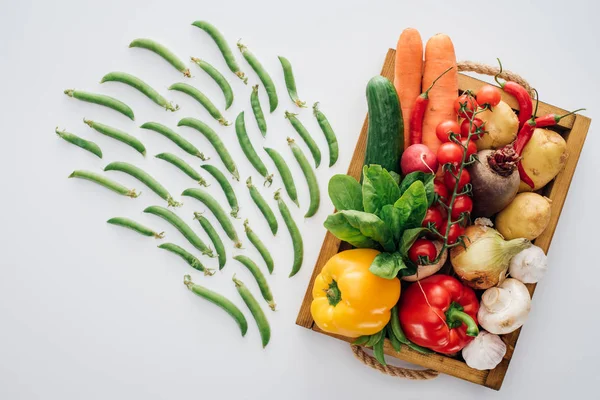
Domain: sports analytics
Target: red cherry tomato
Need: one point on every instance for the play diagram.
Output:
(470, 105)
(489, 94)
(433, 215)
(471, 148)
(444, 128)
(455, 231)
(477, 123)
(424, 248)
(440, 188)
(463, 179)
(462, 204)
(449, 152)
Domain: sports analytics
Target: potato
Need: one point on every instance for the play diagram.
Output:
(501, 125)
(526, 217)
(543, 158)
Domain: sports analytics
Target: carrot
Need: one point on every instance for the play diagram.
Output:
(408, 73)
(439, 56)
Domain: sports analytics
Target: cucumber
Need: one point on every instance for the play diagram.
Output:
(385, 135)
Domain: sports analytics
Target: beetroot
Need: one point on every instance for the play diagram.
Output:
(495, 180)
(418, 157)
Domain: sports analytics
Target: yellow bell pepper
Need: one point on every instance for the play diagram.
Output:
(348, 299)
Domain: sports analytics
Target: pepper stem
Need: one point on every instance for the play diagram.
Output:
(426, 93)
(559, 117)
(455, 317)
(334, 296)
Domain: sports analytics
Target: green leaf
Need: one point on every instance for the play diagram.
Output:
(412, 205)
(345, 193)
(408, 238)
(427, 180)
(378, 189)
(378, 351)
(396, 176)
(360, 229)
(361, 340)
(387, 265)
(392, 218)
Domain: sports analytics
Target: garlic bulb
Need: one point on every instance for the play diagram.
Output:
(485, 351)
(504, 308)
(529, 266)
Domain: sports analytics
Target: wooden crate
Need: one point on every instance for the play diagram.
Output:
(573, 128)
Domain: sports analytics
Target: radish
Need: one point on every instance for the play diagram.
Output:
(418, 157)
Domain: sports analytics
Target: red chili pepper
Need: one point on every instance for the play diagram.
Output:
(418, 112)
(439, 313)
(552, 119)
(523, 175)
(522, 96)
(523, 138)
(524, 135)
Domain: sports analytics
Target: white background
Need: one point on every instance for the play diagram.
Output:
(91, 311)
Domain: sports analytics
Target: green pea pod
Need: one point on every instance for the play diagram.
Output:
(418, 348)
(202, 99)
(393, 339)
(264, 77)
(259, 316)
(376, 337)
(223, 47)
(80, 142)
(163, 52)
(396, 328)
(140, 85)
(378, 350)
(361, 340)
(218, 78)
(218, 300)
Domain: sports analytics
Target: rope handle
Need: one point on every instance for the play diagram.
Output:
(484, 69)
(406, 373)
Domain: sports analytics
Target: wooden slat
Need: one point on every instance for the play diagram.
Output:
(446, 365)
(562, 182)
(574, 129)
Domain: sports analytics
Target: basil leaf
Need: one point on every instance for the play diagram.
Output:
(392, 218)
(396, 176)
(411, 268)
(413, 205)
(345, 193)
(408, 238)
(387, 265)
(378, 189)
(360, 229)
(427, 180)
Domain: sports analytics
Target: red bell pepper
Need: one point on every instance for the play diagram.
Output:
(439, 313)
